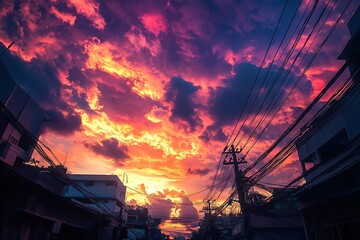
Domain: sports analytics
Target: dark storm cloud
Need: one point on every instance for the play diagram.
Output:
(207, 62)
(220, 135)
(198, 171)
(36, 77)
(182, 95)
(64, 124)
(40, 80)
(81, 101)
(110, 148)
(78, 77)
(228, 101)
(213, 133)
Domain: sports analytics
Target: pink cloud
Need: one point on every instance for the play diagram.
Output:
(154, 23)
(65, 17)
(140, 41)
(90, 10)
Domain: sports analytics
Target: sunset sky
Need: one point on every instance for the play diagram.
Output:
(154, 88)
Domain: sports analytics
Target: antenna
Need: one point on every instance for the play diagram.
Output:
(125, 176)
(65, 158)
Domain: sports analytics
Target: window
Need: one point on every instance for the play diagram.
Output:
(13, 140)
(24, 142)
(334, 146)
(89, 183)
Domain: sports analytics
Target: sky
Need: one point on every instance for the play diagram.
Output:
(153, 89)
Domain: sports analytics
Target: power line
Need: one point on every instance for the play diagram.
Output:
(296, 82)
(290, 147)
(301, 116)
(211, 193)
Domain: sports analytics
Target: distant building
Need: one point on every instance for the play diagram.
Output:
(219, 227)
(276, 219)
(106, 190)
(329, 152)
(17, 146)
(155, 231)
(141, 226)
(138, 223)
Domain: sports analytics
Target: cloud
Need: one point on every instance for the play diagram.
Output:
(198, 171)
(182, 95)
(119, 62)
(89, 9)
(77, 76)
(80, 99)
(32, 40)
(188, 213)
(63, 123)
(160, 208)
(154, 23)
(123, 105)
(228, 101)
(63, 16)
(110, 148)
(214, 134)
(105, 70)
(41, 81)
(163, 206)
(142, 43)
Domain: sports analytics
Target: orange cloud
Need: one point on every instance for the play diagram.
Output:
(42, 47)
(113, 60)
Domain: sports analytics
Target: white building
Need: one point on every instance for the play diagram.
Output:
(107, 190)
(17, 107)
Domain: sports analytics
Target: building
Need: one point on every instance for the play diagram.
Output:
(17, 107)
(138, 223)
(330, 157)
(32, 205)
(155, 231)
(275, 219)
(106, 190)
(141, 226)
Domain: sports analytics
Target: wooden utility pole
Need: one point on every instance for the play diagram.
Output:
(239, 179)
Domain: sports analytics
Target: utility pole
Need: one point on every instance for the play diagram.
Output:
(239, 179)
(209, 232)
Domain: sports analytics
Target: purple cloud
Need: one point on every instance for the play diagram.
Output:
(63, 124)
(182, 95)
(110, 148)
(198, 171)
